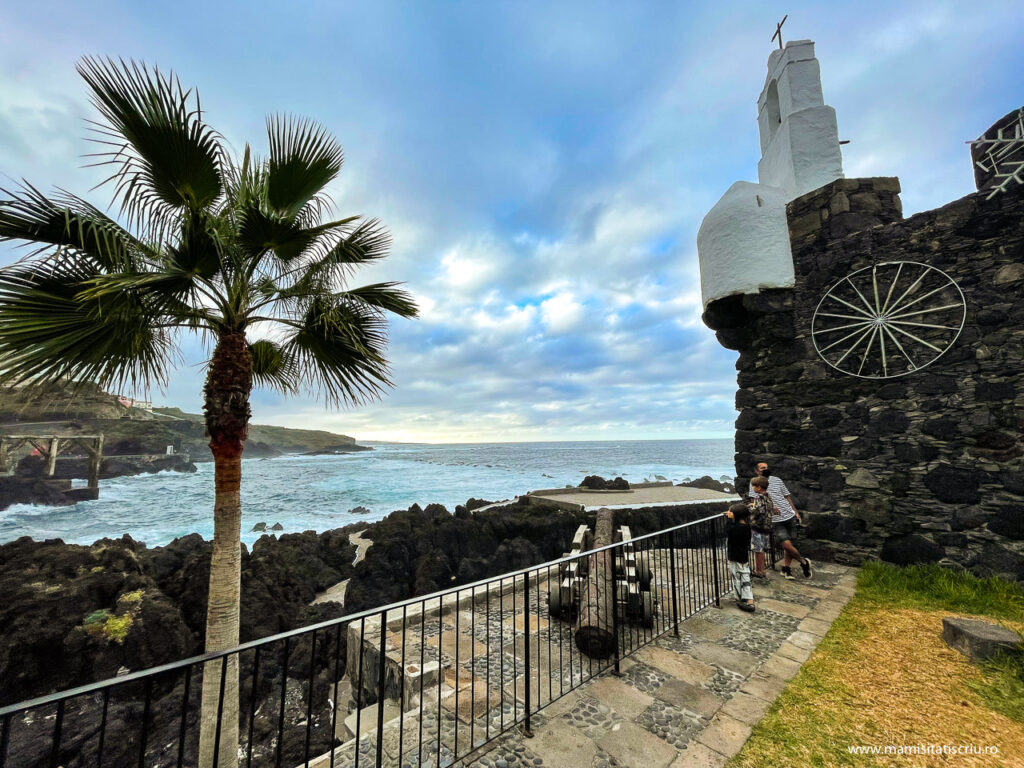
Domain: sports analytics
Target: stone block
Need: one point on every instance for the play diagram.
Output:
(628, 702)
(764, 686)
(978, 640)
(839, 203)
(908, 550)
(781, 667)
(678, 665)
(954, 485)
(474, 701)
(745, 708)
(630, 744)
(803, 639)
(804, 225)
(866, 201)
(562, 746)
(721, 656)
(696, 755)
(790, 609)
(794, 652)
(1009, 522)
(724, 734)
(815, 626)
(1010, 273)
(688, 696)
(705, 630)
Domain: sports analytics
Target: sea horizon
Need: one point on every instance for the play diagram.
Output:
(326, 491)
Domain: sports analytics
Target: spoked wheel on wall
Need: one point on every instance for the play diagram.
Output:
(888, 320)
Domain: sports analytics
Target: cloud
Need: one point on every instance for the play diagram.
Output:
(543, 174)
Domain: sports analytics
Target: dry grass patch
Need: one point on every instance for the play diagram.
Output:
(883, 676)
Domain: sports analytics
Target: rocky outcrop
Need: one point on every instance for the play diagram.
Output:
(72, 614)
(707, 483)
(598, 483)
(418, 551)
(31, 485)
(27, 490)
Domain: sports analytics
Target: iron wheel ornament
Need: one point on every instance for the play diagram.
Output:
(888, 320)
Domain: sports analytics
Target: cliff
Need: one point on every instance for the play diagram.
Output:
(136, 439)
(60, 409)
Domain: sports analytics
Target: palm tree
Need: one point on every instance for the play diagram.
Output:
(240, 252)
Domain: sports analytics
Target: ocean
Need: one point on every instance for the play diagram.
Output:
(317, 492)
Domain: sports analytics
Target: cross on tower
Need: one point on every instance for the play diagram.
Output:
(778, 30)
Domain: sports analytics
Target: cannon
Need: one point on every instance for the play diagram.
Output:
(631, 580)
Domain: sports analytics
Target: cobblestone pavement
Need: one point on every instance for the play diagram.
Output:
(686, 699)
(690, 700)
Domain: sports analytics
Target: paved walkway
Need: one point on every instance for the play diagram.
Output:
(690, 700)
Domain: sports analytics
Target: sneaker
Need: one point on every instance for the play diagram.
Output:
(806, 566)
(787, 572)
(745, 607)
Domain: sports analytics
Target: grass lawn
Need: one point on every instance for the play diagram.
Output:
(884, 676)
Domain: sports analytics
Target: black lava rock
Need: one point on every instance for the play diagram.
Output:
(908, 550)
(954, 485)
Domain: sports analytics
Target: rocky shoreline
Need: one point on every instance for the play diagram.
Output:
(30, 485)
(75, 614)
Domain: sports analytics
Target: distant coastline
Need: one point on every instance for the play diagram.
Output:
(320, 492)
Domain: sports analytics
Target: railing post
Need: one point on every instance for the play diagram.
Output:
(714, 561)
(615, 608)
(5, 737)
(527, 732)
(675, 589)
(383, 655)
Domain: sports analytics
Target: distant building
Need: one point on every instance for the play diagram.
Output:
(131, 402)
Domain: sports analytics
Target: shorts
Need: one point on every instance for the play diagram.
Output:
(759, 541)
(785, 531)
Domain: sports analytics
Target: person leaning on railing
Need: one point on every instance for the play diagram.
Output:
(737, 533)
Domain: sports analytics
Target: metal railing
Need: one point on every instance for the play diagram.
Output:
(424, 681)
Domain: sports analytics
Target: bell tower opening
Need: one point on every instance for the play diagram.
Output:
(771, 108)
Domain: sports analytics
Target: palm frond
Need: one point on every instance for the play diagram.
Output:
(304, 159)
(337, 349)
(68, 222)
(385, 297)
(271, 368)
(328, 270)
(165, 157)
(199, 250)
(50, 331)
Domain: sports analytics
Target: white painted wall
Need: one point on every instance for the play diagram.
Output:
(743, 243)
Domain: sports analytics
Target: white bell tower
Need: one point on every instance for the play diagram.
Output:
(743, 242)
(799, 136)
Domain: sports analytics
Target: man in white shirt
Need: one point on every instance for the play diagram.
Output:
(782, 520)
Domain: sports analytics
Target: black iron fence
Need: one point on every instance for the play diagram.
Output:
(425, 681)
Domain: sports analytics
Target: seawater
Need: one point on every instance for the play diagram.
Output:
(316, 492)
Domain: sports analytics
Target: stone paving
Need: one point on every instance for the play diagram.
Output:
(686, 699)
(690, 700)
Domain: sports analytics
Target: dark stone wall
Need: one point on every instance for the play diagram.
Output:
(919, 468)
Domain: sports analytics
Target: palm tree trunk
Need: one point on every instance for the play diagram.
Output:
(226, 394)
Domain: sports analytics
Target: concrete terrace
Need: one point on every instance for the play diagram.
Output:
(659, 494)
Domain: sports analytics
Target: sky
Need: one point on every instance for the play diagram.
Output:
(542, 167)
